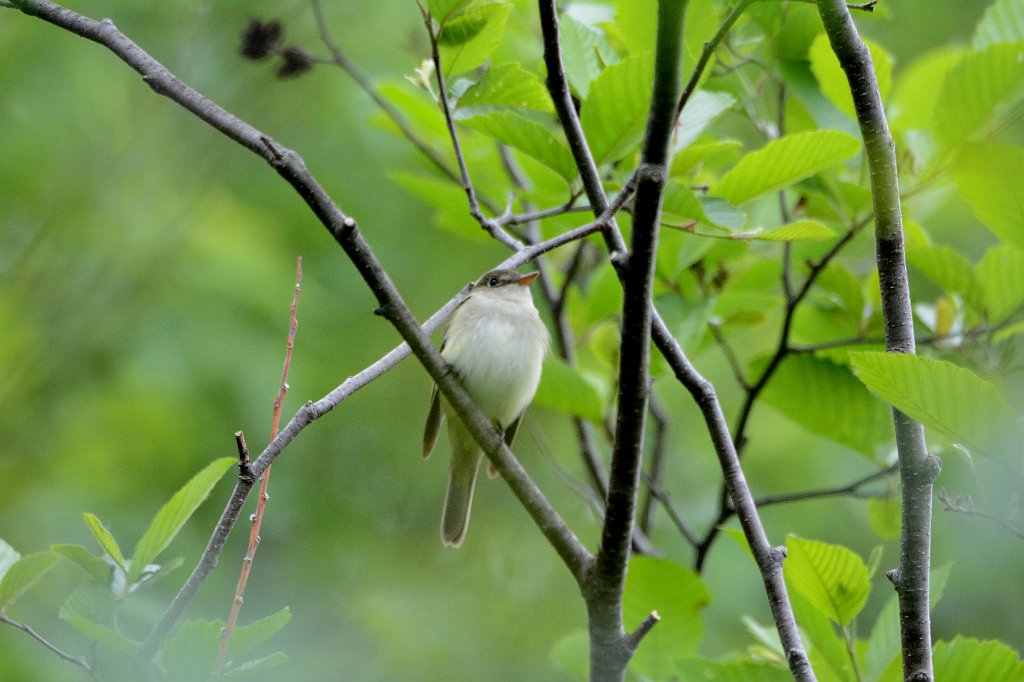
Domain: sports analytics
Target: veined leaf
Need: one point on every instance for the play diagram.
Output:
(248, 637)
(684, 160)
(469, 37)
(952, 400)
(978, 85)
(23, 574)
(678, 595)
(801, 230)
(739, 671)
(564, 389)
(782, 162)
(831, 577)
(1003, 22)
(832, 79)
(173, 515)
(948, 269)
(703, 108)
(528, 136)
(191, 653)
(507, 85)
(988, 177)
(107, 542)
(585, 54)
(966, 658)
(1000, 276)
(615, 111)
(96, 567)
(441, 10)
(826, 399)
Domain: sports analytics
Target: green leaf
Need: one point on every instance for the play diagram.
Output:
(917, 89)
(947, 268)
(970, 659)
(23, 574)
(449, 200)
(1003, 22)
(248, 637)
(832, 578)
(528, 136)
(441, 10)
(678, 595)
(107, 542)
(1001, 277)
(988, 176)
(884, 516)
(173, 515)
(95, 566)
(801, 230)
(564, 389)
(104, 634)
(88, 609)
(471, 36)
(686, 159)
(739, 671)
(615, 112)
(585, 53)
(257, 666)
(638, 21)
(703, 108)
(784, 161)
(507, 85)
(826, 399)
(192, 652)
(979, 84)
(883, 644)
(832, 79)
(570, 655)
(952, 400)
(8, 557)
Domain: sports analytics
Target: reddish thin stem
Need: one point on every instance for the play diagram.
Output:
(261, 505)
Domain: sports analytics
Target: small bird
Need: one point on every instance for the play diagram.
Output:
(495, 342)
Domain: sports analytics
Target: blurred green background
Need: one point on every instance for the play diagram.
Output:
(146, 268)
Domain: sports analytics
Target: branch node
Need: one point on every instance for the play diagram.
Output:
(641, 631)
(893, 575)
(779, 555)
(932, 467)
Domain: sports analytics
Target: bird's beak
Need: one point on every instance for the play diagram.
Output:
(525, 280)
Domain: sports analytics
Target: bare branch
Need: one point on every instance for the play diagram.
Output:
(852, 488)
(964, 505)
(27, 629)
(709, 49)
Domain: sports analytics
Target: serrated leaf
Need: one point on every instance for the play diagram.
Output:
(831, 577)
(95, 566)
(826, 399)
(686, 159)
(528, 136)
(1000, 275)
(678, 595)
(827, 652)
(92, 601)
(703, 108)
(8, 557)
(23, 574)
(1003, 22)
(507, 85)
(988, 176)
(784, 161)
(740, 671)
(257, 666)
(564, 389)
(104, 634)
(948, 269)
(585, 53)
(832, 79)
(966, 658)
(800, 231)
(978, 85)
(173, 515)
(192, 652)
(248, 637)
(471, 36)
(103, 536)
(952, 400)
(614, 114)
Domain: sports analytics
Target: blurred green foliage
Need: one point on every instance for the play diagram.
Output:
(147, 264)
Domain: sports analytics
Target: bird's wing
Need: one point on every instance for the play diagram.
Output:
(510, 437)
(433, 427)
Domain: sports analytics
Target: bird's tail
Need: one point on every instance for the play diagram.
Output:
(458, 499)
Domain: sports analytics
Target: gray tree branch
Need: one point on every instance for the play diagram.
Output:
(918, 468)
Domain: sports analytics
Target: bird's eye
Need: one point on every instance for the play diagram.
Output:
(492, 282)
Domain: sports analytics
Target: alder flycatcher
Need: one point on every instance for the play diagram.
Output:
(495, 342)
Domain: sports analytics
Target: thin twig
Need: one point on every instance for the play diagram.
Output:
(730, 355)
(659, 453)
(490, 226)
(658, 493)
(27, 629)
(964, 505)
(853, 488)
(261, 505)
